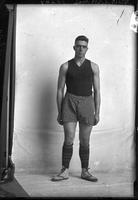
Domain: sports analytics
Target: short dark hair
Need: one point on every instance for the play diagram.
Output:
(82, 38)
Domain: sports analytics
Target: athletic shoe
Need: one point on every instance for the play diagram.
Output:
(85, 174)
(63, 175)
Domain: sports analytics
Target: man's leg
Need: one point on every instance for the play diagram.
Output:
(67, 150)
(84, 150)
(84, 137)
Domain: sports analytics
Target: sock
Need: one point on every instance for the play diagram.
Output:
(67, 152)
(84, 156)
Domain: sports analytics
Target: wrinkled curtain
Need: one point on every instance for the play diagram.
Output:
(45, 39)
(7, 92)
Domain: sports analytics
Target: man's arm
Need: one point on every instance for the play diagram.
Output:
(60, 89)
(96, 87)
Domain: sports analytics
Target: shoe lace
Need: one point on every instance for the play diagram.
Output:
(62, 170)
(87, 170)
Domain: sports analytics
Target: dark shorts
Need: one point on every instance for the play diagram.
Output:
(78, 108)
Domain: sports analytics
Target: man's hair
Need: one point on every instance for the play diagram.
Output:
(82, 38)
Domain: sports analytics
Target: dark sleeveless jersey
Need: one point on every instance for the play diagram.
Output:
(79, 79)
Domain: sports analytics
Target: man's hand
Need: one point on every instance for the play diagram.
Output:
(97, 119)
(59, 119)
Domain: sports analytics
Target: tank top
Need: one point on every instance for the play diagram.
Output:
(79, 79)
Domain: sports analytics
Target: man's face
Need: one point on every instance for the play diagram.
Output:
(80, 48)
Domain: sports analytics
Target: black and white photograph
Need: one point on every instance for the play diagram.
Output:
(68, 101)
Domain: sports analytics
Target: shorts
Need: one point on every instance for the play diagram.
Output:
(78, 108)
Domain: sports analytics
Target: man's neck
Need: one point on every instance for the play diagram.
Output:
(79, 60)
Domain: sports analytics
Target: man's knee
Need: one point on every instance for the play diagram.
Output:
(69, 131)
(69, 140)
(84, 142)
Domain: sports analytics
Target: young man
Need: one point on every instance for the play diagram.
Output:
(81, 103)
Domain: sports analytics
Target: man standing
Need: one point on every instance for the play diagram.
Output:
(81, 103)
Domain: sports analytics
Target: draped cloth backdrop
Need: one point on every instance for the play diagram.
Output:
(44, 40)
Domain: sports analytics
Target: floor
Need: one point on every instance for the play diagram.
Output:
(12, 189)
(115, 184)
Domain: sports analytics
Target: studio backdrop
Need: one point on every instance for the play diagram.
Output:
(44, 40)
